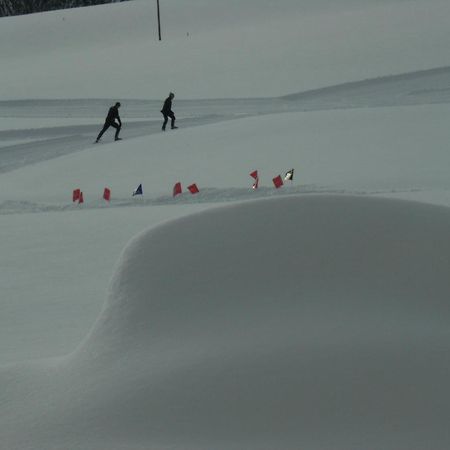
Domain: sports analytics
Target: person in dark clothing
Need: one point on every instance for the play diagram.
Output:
(110, 121)
(167, 112)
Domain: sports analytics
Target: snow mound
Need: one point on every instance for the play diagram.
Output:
(298, 322)
(318, 255)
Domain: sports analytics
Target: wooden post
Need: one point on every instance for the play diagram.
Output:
(159, 20)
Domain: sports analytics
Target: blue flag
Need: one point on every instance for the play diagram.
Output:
(138, 190)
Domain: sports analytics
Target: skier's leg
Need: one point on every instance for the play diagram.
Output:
(166, 118)
(117, 127)
(172, 116)
(105, 127)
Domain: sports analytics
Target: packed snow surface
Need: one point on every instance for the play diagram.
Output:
(314, 316)
(331, 334)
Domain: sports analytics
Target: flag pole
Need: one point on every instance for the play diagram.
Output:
(159, 20)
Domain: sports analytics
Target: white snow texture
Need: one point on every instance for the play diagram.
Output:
(315, 316)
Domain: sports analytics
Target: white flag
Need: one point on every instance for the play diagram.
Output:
(289, 175)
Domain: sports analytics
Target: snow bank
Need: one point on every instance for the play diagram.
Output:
(301, 322)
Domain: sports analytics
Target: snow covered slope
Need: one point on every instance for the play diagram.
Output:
(47, 308)
(212, 48)
(314, 319)
(331, 334)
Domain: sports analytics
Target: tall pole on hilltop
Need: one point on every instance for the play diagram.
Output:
(159, 20)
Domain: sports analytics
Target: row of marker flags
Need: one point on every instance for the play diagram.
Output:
(278, 181)
(177, 189)
(77, 195)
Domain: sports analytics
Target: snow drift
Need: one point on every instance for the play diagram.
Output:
(313, 322)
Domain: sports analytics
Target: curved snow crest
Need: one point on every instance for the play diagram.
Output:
(283, 260)
(274, 323)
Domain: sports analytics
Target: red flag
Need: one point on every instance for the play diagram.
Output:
(76, 195)
(278, 181)
(193, 189)
(107, 194)
(254, 175)
(81, 199)
(177, 189)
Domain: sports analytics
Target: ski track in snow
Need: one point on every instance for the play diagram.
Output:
(24, 147)
(50, 142)
(206, 195)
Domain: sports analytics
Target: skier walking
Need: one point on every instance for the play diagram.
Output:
(167, 112)
(110, 121)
